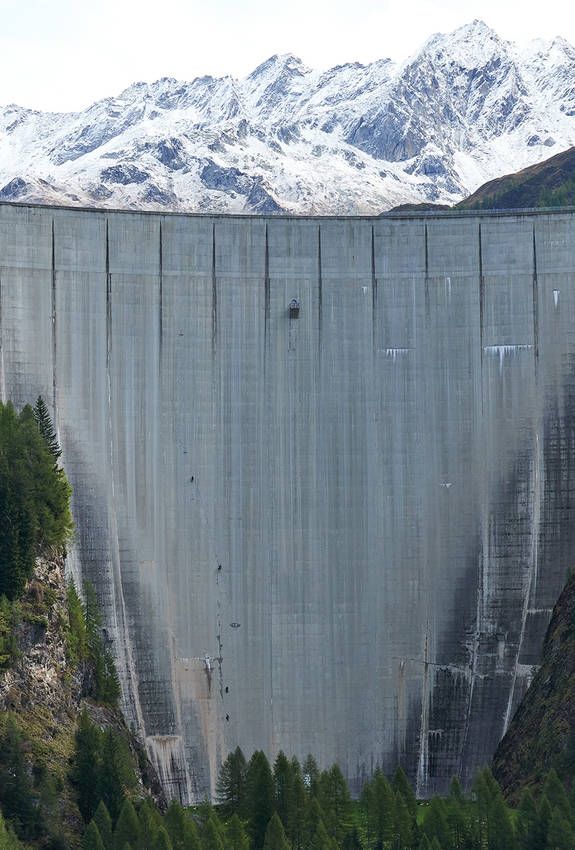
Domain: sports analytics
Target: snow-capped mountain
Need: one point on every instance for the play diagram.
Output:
(467, 107)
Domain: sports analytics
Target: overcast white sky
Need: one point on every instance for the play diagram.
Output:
(64, 54)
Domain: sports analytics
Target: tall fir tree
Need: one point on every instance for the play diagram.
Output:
(46, 427)
(236, 835)
(259, 797)
(212, 838)
(16, 799)
(560, 834)
(231, 786)
(556, 794)
(92, 840)
(283, 787)
(400, 784)
(103, 821)
(385, 802)
(127, 830)
(275, 837)
(181, 828)
(161, 841)
(86, 765)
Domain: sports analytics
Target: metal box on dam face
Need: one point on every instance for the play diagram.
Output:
(334, 526)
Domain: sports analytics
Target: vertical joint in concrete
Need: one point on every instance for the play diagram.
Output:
(319, 289)
(535, 307)
(481, 303)
(266, 292)
(161, 293)
(427, 301)
(108, 300)
(214, 293)
(53, 308)
(373, 292)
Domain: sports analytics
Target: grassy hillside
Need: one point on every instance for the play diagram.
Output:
(547, 184)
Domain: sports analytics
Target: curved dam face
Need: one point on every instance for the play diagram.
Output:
(335, 529)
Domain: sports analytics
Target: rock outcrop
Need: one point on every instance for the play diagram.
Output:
(542, 732)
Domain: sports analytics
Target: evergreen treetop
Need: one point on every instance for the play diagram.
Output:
(46, 427)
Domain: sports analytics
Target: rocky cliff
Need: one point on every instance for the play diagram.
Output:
(542, 733)
(43, 690)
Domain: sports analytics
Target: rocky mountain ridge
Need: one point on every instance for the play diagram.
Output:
(466, 108)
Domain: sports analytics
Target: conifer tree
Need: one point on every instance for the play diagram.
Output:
(283, 786)
(103, 821)
(150, 821)
(107, 684)
(555, 793)
(296, 814)
(500, 832)
(116, 774)
(560, 834)
(352, 840)
(404, 823)
(15, 786)
(8, 840)
(335, 801)
(275, 837)
(545, 813)
(161, 840)
(76, 637)
(46, 427)
(455, 791)
(211, 837)
(400, 785)
(86, 765)
(385, 802)
(48, 485)
(457, 822)
(527, 823)
(435, 822)
(92, 839)
(368, 808)
(259, 797)
(231, 787)
(236, 836)
(127, 829)
(313, 816)
(320, 840)
(181, 828)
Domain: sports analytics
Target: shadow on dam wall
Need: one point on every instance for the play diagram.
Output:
(338, 530)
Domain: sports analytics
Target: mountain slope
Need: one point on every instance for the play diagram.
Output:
(467, 107)
(548, 183)
(542, 732)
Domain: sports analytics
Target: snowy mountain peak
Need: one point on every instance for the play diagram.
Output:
(471, 46)
(467, 107)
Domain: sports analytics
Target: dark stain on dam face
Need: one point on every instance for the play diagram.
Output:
(388, 480)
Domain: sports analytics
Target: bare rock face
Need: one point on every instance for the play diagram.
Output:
(47, 693)
(542, 733)
(41, 676)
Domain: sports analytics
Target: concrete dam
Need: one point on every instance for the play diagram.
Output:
(335, 528)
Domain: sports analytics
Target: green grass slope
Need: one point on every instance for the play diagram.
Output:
(550, 183)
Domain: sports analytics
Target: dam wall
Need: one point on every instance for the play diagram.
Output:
(338, 529)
